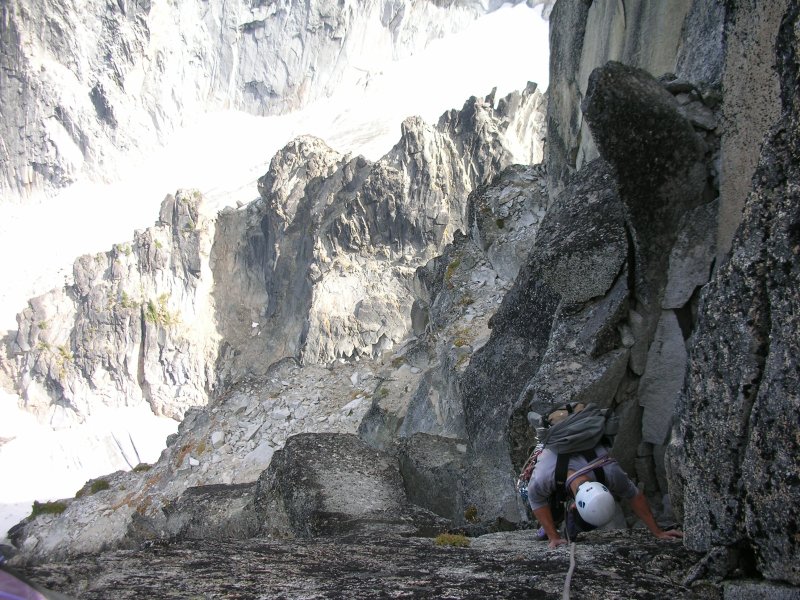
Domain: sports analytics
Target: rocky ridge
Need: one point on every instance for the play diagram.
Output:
(259, 404)
(131, 329)
(317, 270)
(341, 237)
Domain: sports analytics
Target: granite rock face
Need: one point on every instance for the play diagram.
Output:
(320, 268)
(713, 44)
(323, 264)
(751, 103)
(499, 565)
(736, 446)
(549, 289)
(662, 161)
(583, 310)
(133, 328)
(596, 280)
(586, 35)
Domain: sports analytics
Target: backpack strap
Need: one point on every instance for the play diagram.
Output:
(595, 465)
(599, 474)
(562, 466)
(558, 500)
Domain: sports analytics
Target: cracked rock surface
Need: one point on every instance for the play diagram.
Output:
(500, 565)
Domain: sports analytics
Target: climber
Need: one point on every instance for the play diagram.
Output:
(574, 466)
(593, 505)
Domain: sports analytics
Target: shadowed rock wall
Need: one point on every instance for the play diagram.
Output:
(586, 35)
(733, 435)
(714, 44)
(736, 449)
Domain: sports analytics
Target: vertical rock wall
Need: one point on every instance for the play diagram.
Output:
(751, 103)
(586, 35)
(717, 358)
(715, 45)
(736, 446)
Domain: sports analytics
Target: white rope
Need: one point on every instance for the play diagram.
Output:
(565, 596)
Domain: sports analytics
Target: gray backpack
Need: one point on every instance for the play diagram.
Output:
(584, 428)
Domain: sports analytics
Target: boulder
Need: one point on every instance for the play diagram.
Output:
(211, 512)
(434, 475)
(334, 484)
(658, 160)
(586, 35)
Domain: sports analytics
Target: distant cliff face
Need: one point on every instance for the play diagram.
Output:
(81, 82)
(136, 326)
(320, 268)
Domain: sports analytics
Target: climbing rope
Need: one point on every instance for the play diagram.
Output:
(596, 463)
(565, 595)
(602, 461)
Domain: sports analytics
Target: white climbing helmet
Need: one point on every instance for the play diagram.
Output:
(595, 503)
